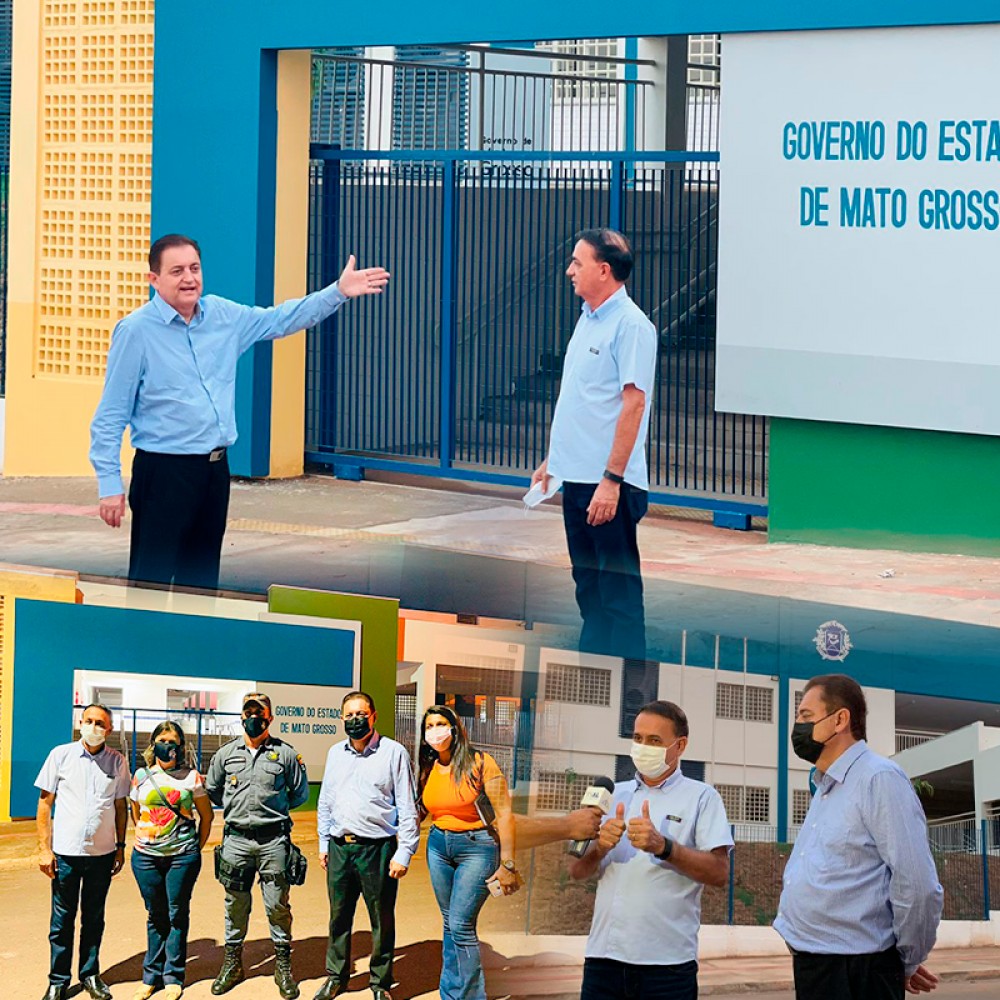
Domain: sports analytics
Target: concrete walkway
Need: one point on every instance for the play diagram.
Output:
(397, 538)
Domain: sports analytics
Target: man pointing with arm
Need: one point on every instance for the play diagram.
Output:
(171, 379)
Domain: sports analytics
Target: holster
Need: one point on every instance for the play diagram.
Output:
(236, 878)
(295, 871)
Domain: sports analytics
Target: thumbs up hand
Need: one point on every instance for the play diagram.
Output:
(642, 835)
(612, 830)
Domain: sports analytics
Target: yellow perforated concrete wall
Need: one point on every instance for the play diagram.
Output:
(81, 171)
(81, 167)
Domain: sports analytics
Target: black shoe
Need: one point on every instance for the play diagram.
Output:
(231, 973)
(96, 987)
(287, 987)
(333, 987)
(55, 993)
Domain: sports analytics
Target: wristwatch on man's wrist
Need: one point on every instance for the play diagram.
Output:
(120, 845)
(509, 865)
(668, 846)
(614, 477)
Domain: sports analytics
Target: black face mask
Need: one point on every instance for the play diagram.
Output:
(165, 751)
(358, 727)
(254, 726)
(803, 743)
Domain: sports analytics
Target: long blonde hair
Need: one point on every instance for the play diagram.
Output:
(164, 727)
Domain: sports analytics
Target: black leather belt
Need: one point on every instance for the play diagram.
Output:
(350, 838)
(215, 455)
(262, 834)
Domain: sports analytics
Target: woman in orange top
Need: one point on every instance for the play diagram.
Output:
(459, 788)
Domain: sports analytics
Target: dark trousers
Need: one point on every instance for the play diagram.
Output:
(878, 976)
(80, 883)
(606, 979)
(166, 885)
(361, 870)
(179, 505)
(605, 562)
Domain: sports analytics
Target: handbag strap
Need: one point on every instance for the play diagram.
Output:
(166, 801)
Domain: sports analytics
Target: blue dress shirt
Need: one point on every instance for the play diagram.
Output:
(369, 794)
(174, 383)
(861, 877)
(612, 346)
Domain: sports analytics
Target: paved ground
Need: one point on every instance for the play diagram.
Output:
(469, 551)
(517, 965)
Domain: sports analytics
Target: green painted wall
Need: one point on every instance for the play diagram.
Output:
(884, 487)
(379, 617)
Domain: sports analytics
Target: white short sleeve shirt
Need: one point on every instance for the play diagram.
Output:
(86, 786)
(647, 912)
(612, 346)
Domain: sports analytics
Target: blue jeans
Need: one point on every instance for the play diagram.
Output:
(166, 885)
(81, 883)
(459, 864)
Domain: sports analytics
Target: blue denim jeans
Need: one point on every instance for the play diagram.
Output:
(80, 883)
(459, 864)
(166, 885)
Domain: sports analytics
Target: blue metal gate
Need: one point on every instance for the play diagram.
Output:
(454, 371)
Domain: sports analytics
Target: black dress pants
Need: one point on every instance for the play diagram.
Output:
(81, 885)
(179, 506)
(605, 562)
(877, 976)
(607, 979)
(354, 870)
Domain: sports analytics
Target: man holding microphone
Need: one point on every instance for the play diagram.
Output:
(667, 835)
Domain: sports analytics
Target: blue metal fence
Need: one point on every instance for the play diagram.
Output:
(454, 372)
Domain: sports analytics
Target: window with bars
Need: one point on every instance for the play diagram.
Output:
(799, 695)
(746, 804)
(560, 791)
(705, 51)
(801, 799)
(753, 702)
(568, 87)
(577, 685)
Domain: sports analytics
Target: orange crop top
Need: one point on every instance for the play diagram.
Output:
(454, 808)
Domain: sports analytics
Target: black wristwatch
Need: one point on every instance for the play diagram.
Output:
(668, 846)
(120, 845)
(614, 477)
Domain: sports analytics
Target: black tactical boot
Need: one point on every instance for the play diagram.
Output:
(287, 987)
(231, 972)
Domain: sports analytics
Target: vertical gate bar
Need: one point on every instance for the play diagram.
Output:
(986, 871)
(617, 184)
(731, 893)
(447, 430)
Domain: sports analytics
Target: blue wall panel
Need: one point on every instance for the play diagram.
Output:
(52, 640)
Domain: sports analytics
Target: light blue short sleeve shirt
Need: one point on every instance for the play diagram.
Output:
(612, 346)
(647, 912)
(86, 786)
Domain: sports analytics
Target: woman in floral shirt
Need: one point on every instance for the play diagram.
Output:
(166, 861)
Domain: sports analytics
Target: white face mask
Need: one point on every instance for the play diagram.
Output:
(650, 762)
(92, 734)
(439, 737)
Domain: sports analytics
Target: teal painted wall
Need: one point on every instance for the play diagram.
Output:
(884, 487)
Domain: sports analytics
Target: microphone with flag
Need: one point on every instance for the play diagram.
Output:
(597, 796)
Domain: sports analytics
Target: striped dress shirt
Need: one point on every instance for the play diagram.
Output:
(861, 878)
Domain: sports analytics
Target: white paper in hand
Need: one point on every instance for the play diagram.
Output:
(537, 493)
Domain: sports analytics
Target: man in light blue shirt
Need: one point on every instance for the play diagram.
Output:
(597, 444)
(171, 379)
(666, 836)
(368, 829)
(861, 900)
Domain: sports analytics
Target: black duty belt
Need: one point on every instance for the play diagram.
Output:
(350, 838)
(263, 833)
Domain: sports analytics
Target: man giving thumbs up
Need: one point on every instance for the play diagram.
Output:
(667, 835)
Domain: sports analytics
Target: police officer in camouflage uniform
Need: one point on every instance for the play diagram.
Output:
(257, 779)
